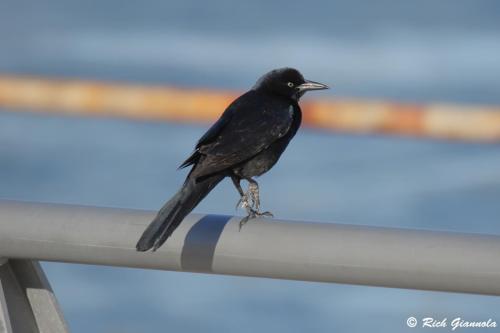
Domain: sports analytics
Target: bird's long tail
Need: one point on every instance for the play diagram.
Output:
(173, 212)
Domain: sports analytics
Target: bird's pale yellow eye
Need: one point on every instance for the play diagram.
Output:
(290, 84)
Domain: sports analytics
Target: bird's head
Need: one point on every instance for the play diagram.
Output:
(287, 82)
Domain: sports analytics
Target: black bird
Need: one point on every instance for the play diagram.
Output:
(245, 142)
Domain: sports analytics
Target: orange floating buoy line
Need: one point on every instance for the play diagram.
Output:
(78, 97)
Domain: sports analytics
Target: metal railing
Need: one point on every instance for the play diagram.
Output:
(308, 251)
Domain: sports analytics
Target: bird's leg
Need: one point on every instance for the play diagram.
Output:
(253, 193)
(244, 197)
(253, 190)
(236, 182)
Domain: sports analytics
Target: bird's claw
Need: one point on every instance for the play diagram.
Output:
(243, 221)
(252, 214)
(266, 213)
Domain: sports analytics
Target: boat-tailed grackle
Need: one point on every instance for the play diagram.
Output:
(245, 142)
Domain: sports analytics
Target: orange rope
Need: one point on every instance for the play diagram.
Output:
(468, 123)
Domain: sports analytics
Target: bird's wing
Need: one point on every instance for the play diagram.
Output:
(209, 137)
(249, 125)
(214, 131)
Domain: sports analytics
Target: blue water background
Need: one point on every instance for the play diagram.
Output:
(425, 51)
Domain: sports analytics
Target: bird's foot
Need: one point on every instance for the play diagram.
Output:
(251, 202)
(252, 214)
(263, 214)
(244, 221)
(256, 214)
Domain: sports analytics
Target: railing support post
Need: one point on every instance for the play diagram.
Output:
(27, 302)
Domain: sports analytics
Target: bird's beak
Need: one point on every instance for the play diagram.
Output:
(311, 85)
